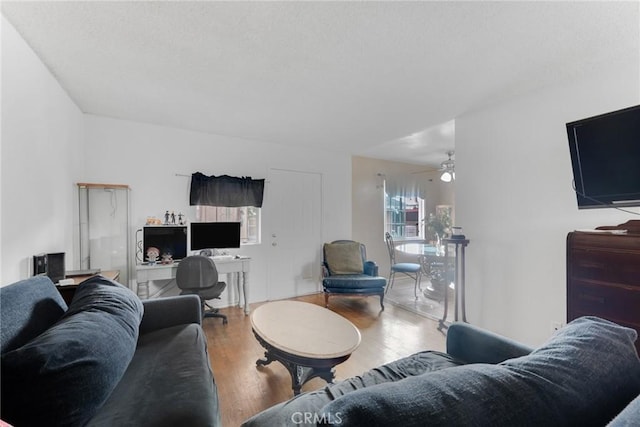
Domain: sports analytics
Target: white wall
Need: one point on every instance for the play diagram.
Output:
(42, 132)
(148, 157)
(514, 199)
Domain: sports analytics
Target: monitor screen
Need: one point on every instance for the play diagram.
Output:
(167, 238)
(215, 235)
(605, 158)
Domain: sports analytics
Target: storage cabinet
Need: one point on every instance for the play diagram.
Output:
(603, 274)
(105, 238)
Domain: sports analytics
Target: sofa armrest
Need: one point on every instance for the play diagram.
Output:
(371, 268)
(472, 344)
(170, 311)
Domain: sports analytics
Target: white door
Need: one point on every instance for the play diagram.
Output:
(293, 210)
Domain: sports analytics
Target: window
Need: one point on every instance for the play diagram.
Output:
(248, 216)
(403, 216)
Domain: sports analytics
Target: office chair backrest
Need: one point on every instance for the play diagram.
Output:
(196, 272)
(390, 247)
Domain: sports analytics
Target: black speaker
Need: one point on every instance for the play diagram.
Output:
(39, 264)
(50, 264)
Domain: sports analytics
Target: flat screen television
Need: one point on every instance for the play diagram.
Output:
(605, 158)
(167, 238)
(215, 235)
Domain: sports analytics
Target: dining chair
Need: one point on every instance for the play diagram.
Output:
(410, 269)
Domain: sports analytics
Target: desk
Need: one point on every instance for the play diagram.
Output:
(68, 291)
(238, 267)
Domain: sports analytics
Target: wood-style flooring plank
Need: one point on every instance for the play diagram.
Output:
(245, 390)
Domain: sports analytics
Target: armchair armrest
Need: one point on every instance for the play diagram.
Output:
(171, 311)
(472, 344)
(371, 268)
(325, 270)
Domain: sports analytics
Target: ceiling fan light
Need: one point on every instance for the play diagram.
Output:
(446, 176)
(448, 169)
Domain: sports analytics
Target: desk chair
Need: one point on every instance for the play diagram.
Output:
(198, 275)
(411, 269)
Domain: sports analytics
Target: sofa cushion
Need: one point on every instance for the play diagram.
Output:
(344, 258)
(584, 375)
(629, 416)
(64, 375)
(292, 412)
(168, 383)
(29, 308)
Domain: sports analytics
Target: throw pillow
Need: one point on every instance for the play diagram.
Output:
(64, 375)
(584, 375)
(343, 258)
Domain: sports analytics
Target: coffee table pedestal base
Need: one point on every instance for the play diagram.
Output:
(302, 369)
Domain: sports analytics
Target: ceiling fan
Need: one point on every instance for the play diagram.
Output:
(447, 168)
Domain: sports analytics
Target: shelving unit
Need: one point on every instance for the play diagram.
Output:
(105, 239)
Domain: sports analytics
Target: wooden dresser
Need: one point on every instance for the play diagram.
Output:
(603, 274)
(68, 291)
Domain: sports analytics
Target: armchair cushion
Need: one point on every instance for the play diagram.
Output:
(66, 373)
(352, 281)
(344, 258)
(584, 375)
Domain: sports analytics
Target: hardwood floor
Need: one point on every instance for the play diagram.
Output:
(245, 390)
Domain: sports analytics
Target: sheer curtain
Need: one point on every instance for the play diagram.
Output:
(405, 185)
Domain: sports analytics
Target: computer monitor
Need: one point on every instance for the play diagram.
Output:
(215, 235)
(169, 239)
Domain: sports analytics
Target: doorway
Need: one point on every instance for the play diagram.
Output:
(293, 213)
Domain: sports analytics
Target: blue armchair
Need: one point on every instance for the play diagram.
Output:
(346, 271)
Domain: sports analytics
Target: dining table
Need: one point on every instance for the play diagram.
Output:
(442, 266)
(419, 248)
(432, 259)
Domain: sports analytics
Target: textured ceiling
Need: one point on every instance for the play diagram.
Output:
(372, 78)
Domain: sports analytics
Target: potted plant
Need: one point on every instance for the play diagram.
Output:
(439, 225)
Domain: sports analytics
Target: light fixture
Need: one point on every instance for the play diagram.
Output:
(448, 169)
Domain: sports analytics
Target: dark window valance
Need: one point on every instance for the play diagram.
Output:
(225, 190)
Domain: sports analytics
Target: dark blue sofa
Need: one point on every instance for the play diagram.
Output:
(587, 374)
(108, 359)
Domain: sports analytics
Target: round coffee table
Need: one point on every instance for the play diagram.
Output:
(307, 339)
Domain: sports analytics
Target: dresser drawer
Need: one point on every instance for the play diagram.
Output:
(603, 276)
(604, 241)
(622, 267)
(610, 301)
